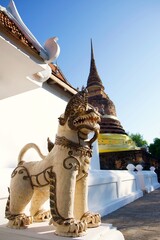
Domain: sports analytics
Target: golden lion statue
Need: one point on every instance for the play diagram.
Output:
(61, 176)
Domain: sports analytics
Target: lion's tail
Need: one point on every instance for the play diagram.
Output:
(8, 214)
(26, 148)
(7, 209)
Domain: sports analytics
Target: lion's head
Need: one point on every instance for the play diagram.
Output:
(81, 116)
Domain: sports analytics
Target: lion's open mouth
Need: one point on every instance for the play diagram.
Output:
(91, 119)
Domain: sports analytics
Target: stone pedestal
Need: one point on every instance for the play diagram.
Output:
(42, 231)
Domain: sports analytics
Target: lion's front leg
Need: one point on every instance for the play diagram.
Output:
(62, 194)
(93, 219)
(81, 204)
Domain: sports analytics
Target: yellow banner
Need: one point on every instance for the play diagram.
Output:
(115, 142)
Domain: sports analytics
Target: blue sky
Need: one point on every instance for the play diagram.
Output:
(126, 41)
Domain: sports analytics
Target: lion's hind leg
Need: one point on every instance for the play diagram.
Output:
(20, 194)
(37, 210)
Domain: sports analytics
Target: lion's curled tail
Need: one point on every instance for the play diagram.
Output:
(26, 148)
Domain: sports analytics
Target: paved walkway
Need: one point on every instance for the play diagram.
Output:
(139, 220)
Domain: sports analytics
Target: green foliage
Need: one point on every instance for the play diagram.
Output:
(154, 148)
(138, 139)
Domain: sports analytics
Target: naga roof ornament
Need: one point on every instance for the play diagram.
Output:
(11, 20)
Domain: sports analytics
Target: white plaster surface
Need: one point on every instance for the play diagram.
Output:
(45, 232)
(148, 180)
(110, 190)
(28, 117)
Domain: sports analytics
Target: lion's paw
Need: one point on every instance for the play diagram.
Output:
(70, 227)
(20, 222)
(42, 216)
(92, 219)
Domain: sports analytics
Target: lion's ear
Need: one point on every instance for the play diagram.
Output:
(61, 121)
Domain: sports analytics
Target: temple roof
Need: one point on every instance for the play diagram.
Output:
(56, 71)
(21, 50)
(11, 22)
(58, 77)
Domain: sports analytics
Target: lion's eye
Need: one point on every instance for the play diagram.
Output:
(81, 109)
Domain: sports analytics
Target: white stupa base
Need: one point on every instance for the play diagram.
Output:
(38, 231)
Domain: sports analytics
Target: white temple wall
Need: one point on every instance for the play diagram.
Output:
(112, 189)
(148, 180)
(28, 117)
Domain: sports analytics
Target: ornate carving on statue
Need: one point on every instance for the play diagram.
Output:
(78, 150)
(61, 176)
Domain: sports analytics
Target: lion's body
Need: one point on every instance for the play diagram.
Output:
(62, 177)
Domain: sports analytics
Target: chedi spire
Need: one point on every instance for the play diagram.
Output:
(98, 98)
(94, 81)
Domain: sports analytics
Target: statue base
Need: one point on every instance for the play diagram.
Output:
(42, 231)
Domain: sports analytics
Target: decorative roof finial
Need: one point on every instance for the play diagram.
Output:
(92, 53)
